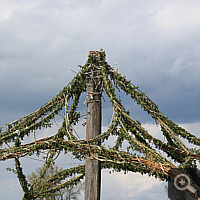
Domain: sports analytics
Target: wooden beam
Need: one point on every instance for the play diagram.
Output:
(93, 129)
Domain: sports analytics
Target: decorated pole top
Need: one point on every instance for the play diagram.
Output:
(95, 53)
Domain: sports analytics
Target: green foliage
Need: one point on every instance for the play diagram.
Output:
(71, 192)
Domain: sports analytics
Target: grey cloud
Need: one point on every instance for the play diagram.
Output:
(131, 186)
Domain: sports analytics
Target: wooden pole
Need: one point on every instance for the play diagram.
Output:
(93, 129)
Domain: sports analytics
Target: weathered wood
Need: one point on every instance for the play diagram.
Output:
(93, 129)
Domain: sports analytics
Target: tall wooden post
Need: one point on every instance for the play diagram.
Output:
(93, 129)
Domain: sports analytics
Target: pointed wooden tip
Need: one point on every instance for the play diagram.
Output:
(95, 53)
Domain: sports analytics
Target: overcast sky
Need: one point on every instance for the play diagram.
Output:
(156, 44)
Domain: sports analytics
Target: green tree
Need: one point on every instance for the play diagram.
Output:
(69, 193)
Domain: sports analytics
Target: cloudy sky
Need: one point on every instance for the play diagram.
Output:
(156, 44)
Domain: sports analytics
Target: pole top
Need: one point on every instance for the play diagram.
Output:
(95, 53)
